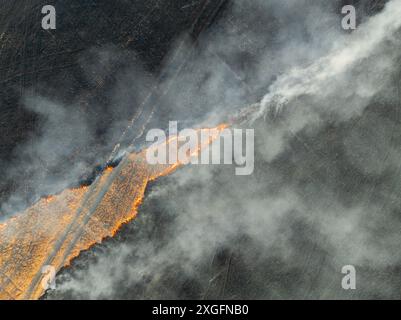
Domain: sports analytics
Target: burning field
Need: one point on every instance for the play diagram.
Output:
(81, 202)
(57, 228)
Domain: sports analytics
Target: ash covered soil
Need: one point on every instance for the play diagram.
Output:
(328, 199)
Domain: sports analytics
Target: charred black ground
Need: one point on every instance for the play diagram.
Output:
(98, 45)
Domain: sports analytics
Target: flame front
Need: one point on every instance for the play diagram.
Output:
(56, 229)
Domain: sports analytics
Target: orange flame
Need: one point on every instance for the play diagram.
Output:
(57, 228)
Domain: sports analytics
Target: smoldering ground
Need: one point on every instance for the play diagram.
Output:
(70, 139)
(325, 189)
(67, 97)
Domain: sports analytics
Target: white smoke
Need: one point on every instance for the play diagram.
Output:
(300, 206)
(318, 78)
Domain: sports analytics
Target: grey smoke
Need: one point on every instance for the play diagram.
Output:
(331, 73)
(325, 191)
(61, 133)
(69, 138)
